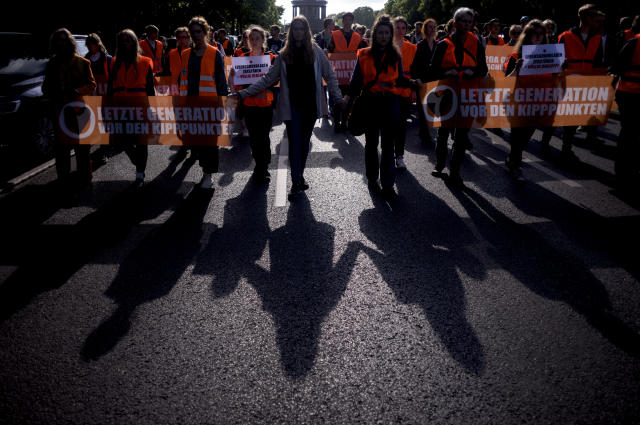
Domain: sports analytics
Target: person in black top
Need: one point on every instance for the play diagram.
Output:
(274, 43)
(439, 69)
(420, 68)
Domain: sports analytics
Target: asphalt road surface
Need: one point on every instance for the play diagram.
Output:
(503, 302)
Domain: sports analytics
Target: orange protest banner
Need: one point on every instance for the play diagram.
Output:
(343, 65)
(531, 101)
(153, 120)
(166, 86)
(496, 57)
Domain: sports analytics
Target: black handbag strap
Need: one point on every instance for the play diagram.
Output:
(370, 84)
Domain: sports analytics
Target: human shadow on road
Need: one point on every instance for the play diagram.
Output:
(421, 245)
(59, 251)
(302, 285)
(547, 271)
(151, 270)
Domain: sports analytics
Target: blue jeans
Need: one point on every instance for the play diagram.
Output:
(299, 130)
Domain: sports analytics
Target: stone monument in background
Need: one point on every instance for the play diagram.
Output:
(314, 10)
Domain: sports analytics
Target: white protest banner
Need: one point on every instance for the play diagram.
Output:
(250, 69)
(542, 59)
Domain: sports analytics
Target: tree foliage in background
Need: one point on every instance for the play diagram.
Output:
(565, 13)
(113, 16)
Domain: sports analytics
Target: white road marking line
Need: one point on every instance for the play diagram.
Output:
(281, 175)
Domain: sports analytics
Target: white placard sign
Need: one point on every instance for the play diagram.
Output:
(542, 59)
(250, 69)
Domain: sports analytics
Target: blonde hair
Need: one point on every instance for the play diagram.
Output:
(259, 30)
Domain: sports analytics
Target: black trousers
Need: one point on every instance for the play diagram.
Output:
(405, 105)
(383, 129)
(259, 122)
(460, 142)
(137, 153)
(520, 136)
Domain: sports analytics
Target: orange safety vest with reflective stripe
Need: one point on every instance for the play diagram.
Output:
(630, 80)
(579, 57)
(469, 57)
(155, 57)
(175, 62)
(262, 99)
(386, 80)
(207, 72)
(340, 41)
(408, 52)
(131, 81)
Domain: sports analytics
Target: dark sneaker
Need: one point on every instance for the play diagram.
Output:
(374, 186)
(296, 190)
(388, 193)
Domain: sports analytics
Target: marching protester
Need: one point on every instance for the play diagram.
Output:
(584, 52)
(152, 47)
(243, 47)
(300, 68)
(323, 38)
(552, 29)
(534, 33)
(258, 110)
(493, 38)
(203, 74)
(344, 40)
(461, 55)
(67, 77)
(627, 66)
(417, 34)
(514, 34)
(131, 75)
(100, 65)
(420, 70)
(379, 74)
(407, 52)
(175, 55)
(225, 42)
(274, 43)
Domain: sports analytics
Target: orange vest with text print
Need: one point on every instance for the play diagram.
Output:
(156, 58)
(630, 81)
(469, 57)
(386, 80)
(131, 81)
(262, 99)
(578, 56)
(207, 72)
(340, 41)
(408, 52)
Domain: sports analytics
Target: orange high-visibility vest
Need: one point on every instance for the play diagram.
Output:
(156, 56)
(469, 57)
(340, 41)
(386, 80)
(207, 86)
(499, 43)
(408, 52)
(578, 56)
(175, 62)
(131, 81)
(262, 99)
(628, 35)
(630, 81)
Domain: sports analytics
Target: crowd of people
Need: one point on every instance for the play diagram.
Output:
(392, 63)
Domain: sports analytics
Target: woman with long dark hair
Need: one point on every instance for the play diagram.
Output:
(300, 69)
(534, 33)
(379, 75)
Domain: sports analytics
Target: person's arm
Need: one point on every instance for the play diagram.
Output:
(265, 82)
(88, 83)
(511, 68)
(332, 46)
(335, 96)
(624, 59)
(150, 86)
(357, 81)
(220, 77)
(481, 62)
